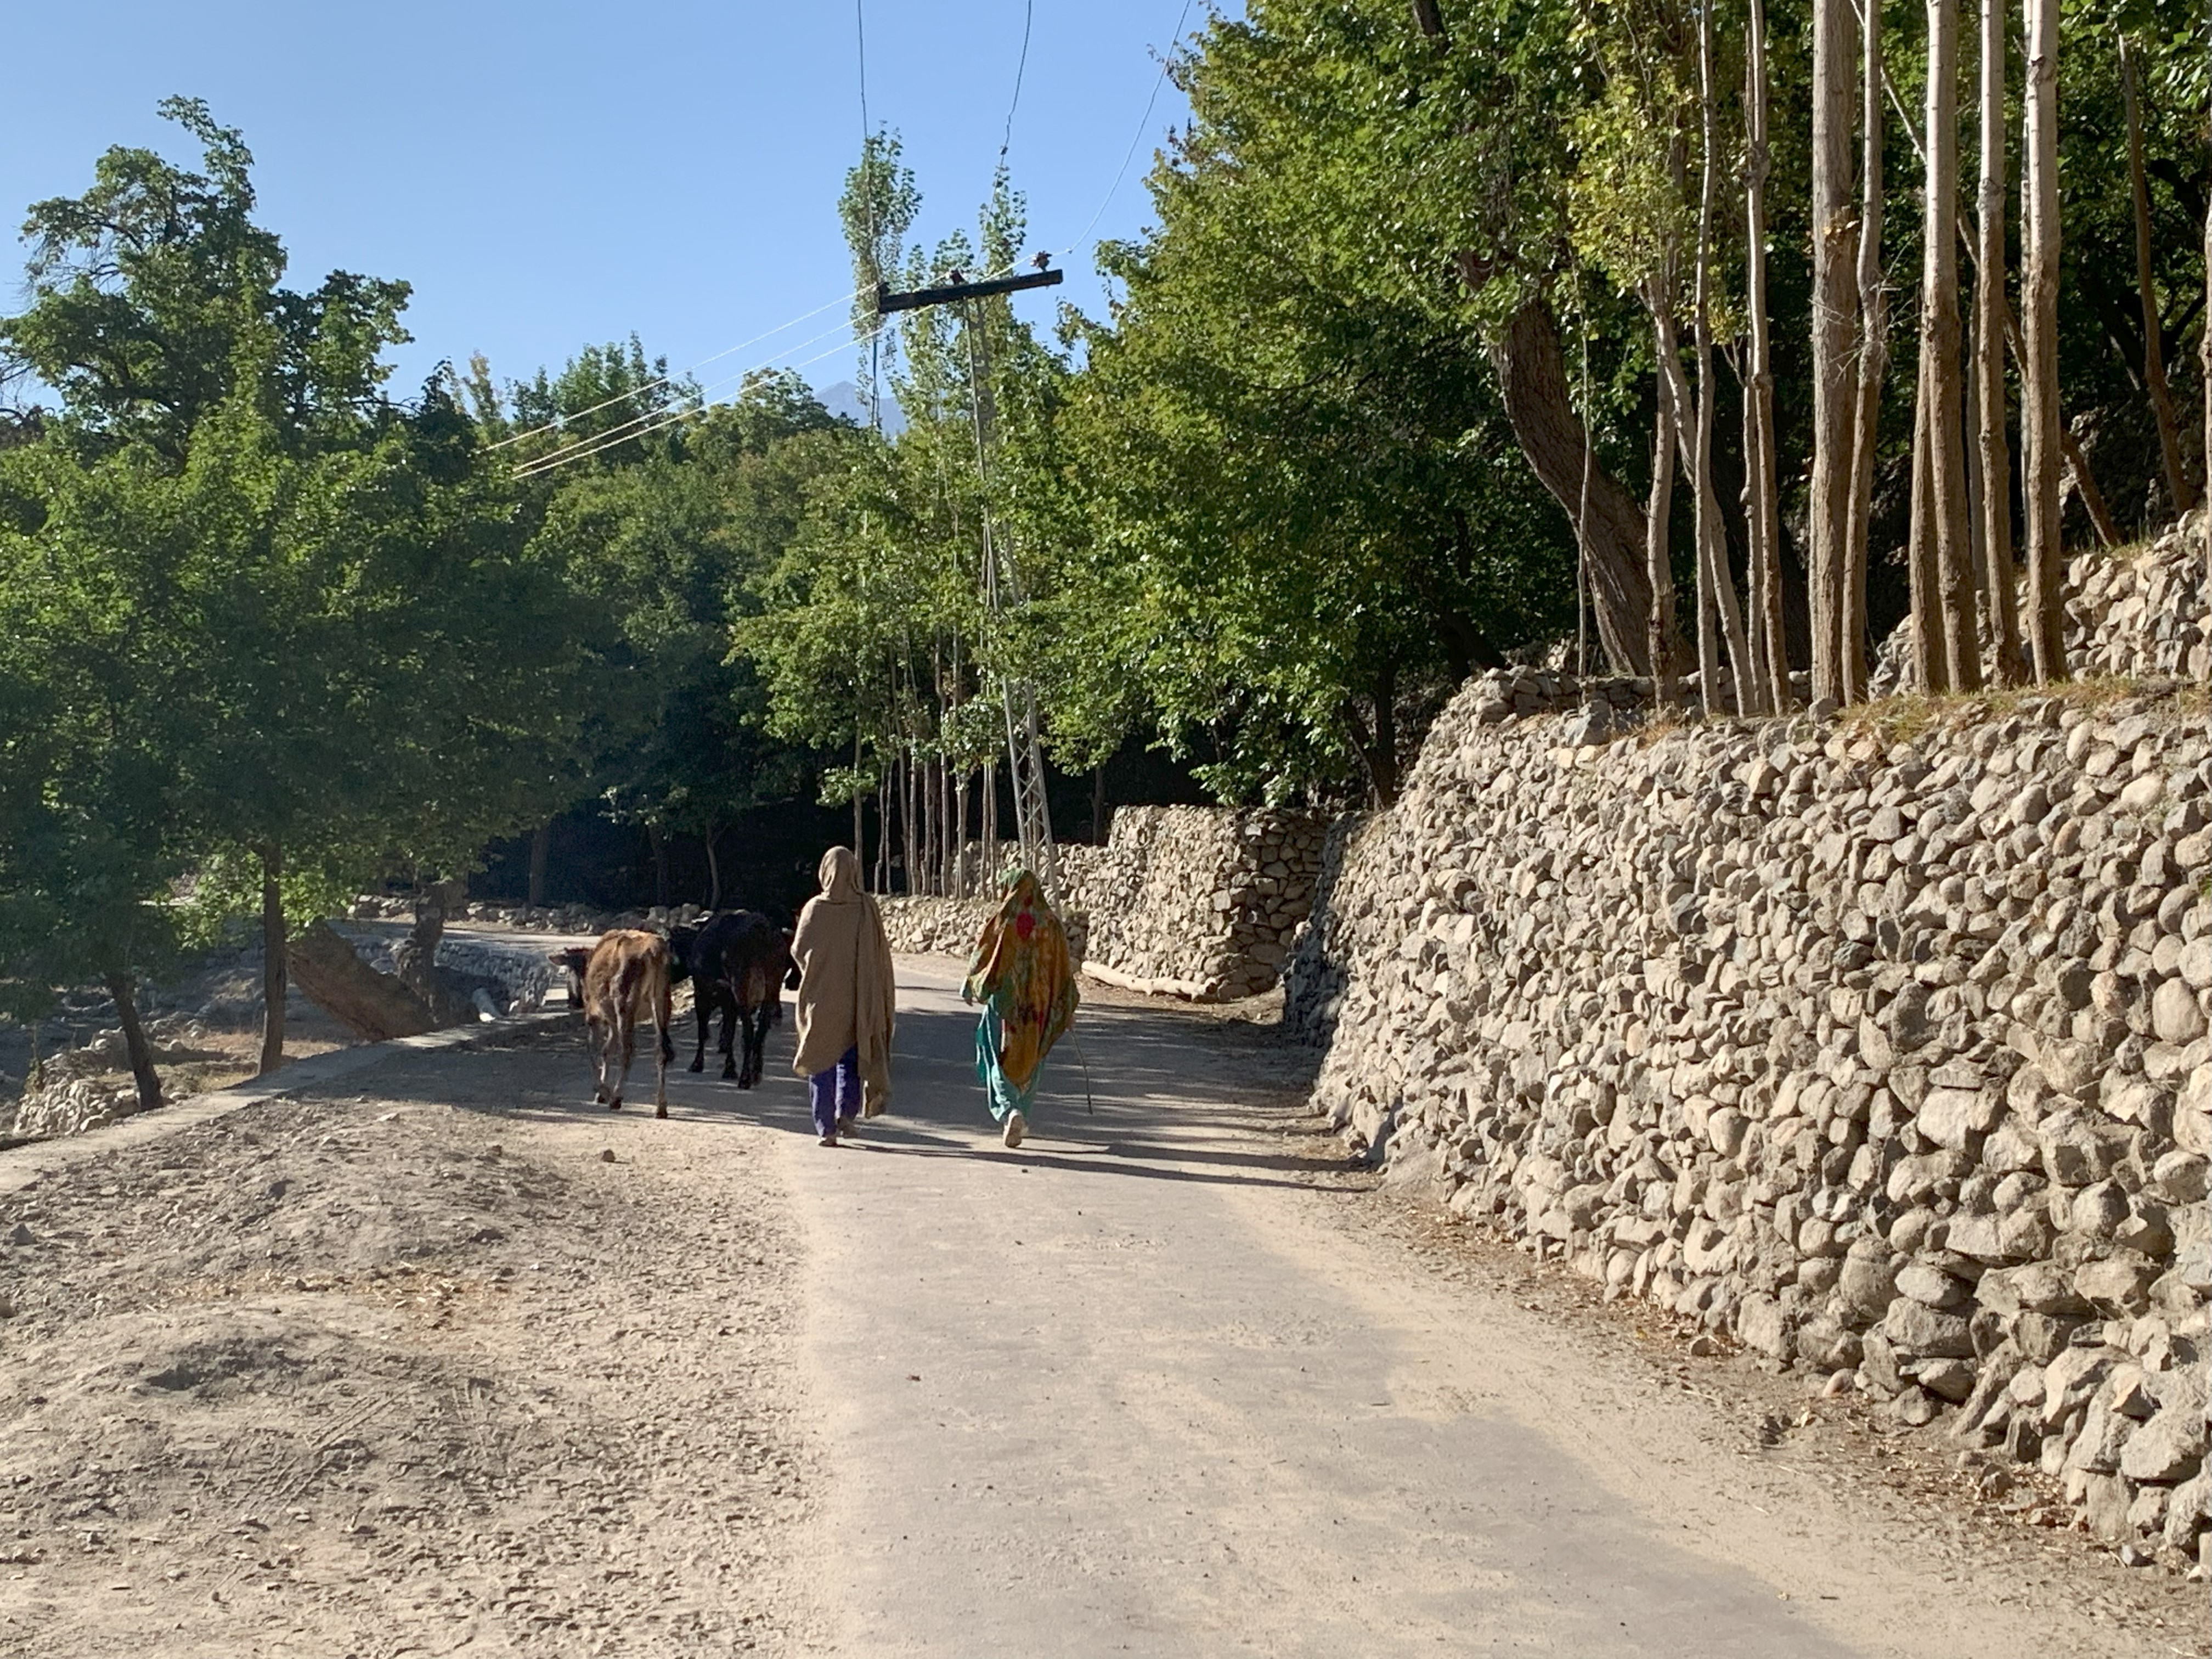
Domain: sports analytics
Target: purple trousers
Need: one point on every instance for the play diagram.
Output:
(837, 1092)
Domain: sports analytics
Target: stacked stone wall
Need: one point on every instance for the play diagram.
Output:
(1197, 902)
(1204, 903)
(1878, 1044)
(936, 927)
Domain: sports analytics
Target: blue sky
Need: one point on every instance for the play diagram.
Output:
(554, 175)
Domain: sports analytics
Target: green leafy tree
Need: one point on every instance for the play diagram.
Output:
(328, 643)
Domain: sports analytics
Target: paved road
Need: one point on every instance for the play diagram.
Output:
(1131, 1390)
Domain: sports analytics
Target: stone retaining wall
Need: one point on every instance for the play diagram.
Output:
(1198, 902)
(1880, 1046)
(935, 926)
(2139, 612)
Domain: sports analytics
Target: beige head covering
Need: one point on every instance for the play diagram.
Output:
(847, 998)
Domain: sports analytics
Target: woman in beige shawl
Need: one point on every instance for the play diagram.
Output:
(847, 999)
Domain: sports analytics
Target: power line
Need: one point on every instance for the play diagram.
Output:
(671, 380)
(593, 437)
(652, 420)
(1028, 16)
(665, 416)
(1143, 122)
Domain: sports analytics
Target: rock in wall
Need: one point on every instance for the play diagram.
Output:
(1882, 1048)
(2142, 612)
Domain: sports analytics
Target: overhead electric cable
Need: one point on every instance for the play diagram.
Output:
(592, 443)
(662, 418)
(1144, 121)
(671, 380)
(536, 461)
(1021, 65)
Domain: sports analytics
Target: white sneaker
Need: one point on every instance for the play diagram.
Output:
(1017, 1127)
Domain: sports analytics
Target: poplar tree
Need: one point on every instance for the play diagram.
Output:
(1835, 315)
(1992, 323)
(2038, 368)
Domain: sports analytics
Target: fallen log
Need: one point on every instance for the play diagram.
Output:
(373, 1006)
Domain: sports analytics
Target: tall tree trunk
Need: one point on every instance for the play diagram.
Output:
(859, 840)
(909, 828)
(1762, 495)
(1835, 325)
(931, 838)
(415, 961)
(2039, 236)
(1376, 745)
(715, 862)
(1938, 355)
(541, 854)
(1658, 561)
(659, 844)
(2075, 465)
(1532, 378)
(991, 824)
(1716, 591)
(123, 989)
(1099, 805)
(2161, 397)
(968, 883)
(1990, 315)
(273, 981)
(883, 824)
(1716, 586)
(1931, 664)
(1872, 318)
(2084, 483)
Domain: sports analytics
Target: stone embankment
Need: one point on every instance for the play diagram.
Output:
(1196, 901)
(90, 1086)
(936, 927)
(1878, 1044)
(2131, 613)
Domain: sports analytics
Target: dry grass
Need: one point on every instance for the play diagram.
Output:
(1900, 719)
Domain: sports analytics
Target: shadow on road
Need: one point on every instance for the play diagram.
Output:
(1150, 1110)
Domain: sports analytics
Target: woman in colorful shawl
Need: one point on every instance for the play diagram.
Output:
(1022, 974)
(847, 1000)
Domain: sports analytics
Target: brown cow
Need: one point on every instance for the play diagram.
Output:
(622, 981)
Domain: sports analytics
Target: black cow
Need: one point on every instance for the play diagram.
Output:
(737, 962)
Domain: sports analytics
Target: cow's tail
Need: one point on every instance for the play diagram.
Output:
(662, 992)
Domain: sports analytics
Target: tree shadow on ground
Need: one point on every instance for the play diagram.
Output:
(1158, 1104)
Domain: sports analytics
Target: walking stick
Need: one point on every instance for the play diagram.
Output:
(1085, 1060)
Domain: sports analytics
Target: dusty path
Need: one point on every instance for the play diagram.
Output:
(403, 1365)
(1155, 1384)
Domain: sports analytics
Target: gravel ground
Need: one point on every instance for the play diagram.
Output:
(409, 1371)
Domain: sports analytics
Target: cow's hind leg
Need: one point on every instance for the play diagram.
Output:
(599, 1063)
(756, 1023)
(706, 1009)
(624, 1037)
(733, 1015)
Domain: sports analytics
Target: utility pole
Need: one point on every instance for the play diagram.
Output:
(1001, 579)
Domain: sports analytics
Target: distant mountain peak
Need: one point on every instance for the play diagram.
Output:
(843, 399)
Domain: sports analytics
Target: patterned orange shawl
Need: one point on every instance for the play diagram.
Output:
(1021, 969)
